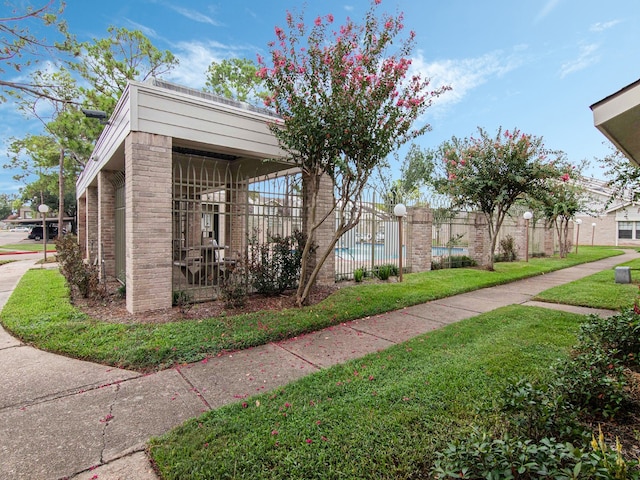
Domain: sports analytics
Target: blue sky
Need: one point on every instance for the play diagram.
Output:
(533, 64)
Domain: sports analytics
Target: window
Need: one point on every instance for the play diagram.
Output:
(625, 230)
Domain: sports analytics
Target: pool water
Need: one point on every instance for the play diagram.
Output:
(362, 251)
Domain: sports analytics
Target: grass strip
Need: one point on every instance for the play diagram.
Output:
(28, 247)
(39, 313)
(382, 416)
(597, 291)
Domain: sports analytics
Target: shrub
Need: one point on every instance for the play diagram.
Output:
(454, 261)
(481, 456)
(383, 272)
(358, 274)
(507, 250)
(275, 266)
(79, 275)
(233, 289)
(183, 300)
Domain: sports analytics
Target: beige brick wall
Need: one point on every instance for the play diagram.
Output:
(479, 247)
(148, 189)
(82, 225)
(324, 234)
(92, 223)
(418, 239)
(106, 225)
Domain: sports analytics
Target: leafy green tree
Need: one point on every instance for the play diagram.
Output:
(347, 102)
(490, 173)
(6, 205)
(236, 79)
(20, 48)
(109, 63)
(560, 201)
(623, 176)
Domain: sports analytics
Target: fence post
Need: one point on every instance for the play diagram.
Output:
(419, 239)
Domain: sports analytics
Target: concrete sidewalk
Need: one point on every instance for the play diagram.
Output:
(66, 418)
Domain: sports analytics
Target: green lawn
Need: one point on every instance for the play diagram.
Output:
(28, 247)
(39, 313)
(597, 291)
(383, 416)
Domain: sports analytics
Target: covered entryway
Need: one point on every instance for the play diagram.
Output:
(171, 173)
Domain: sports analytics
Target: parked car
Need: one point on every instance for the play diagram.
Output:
(19, 229)
(36, 233)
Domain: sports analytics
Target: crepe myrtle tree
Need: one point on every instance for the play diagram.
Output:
(346, 101)
(490, 173)
(560, 201)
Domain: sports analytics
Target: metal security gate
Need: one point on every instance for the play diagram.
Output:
(118, 181)
(221, 213)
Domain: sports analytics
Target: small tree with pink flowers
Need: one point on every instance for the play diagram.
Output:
(490, 173)
(347, 101)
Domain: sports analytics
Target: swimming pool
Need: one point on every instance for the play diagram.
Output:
(362, 251)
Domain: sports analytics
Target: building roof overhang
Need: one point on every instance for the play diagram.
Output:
(618, 118)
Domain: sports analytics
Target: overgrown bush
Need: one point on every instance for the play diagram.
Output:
(233, 288)
(79, 275)
(454, 261)
(275, 265)
(508, 250)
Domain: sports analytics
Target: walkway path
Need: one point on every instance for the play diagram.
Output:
(60, 417)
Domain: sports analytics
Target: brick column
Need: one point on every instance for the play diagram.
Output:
(418, 239)
(148, 192)
(549, 244)
(236, 220)
(324, 234)
(520, 237)
(479, 246)
(82, 224)
(106, 225)
(92, 224)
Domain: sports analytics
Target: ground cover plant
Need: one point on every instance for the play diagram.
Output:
(383, 416)
(40, 313)
(597, 291)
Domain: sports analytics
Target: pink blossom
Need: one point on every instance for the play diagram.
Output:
(565, 177)
(318, 21)
(377, 2)
(309, 441)
(330, 18)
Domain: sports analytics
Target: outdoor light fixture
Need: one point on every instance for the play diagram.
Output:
(99, 114)
(527, 216)
(43, 209)
(578, 223)
(400, 211)
(593, 232)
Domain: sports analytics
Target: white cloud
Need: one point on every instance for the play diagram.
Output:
(546, 10)
(147, 31)
(464, 75)
(588, 56)
(194, 15)
(195, 57)
(602, 26)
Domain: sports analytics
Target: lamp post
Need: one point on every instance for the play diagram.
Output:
(43, 209)
(578, 223)
(527, 216)
(593, 232)
(400, 211)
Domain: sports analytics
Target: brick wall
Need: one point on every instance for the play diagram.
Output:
(148, 190)
(82, 225)
(324, 234)
(92, 223)
(479, 247)
(418, 239)
(106, 225)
